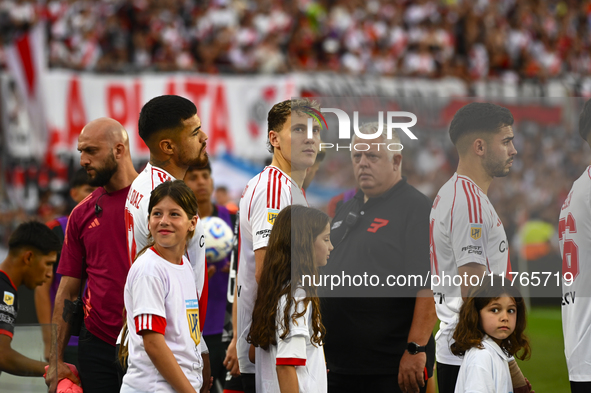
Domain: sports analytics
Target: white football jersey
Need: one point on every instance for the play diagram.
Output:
(156, 287)
(574, 230)
(464, 228)
(296, 349)
(264, 196)
(136, 222)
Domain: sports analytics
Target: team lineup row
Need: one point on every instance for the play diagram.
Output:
(286, 328)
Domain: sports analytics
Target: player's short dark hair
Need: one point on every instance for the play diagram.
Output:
(35, 235)
(205, 167)
(585, 120)
(79, 179)
(164, 113)
(479, 117)
(280, 112)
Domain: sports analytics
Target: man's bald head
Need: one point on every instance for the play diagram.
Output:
(106, 129)
(103, 145)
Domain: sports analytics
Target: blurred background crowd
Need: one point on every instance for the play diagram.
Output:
(471, 40)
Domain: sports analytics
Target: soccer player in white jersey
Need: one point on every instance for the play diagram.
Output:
(574, 229)
(277, 186)
(467, 236)
(171, 129)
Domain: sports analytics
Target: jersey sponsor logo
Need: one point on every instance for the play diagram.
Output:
(264, 233)
(272, 215)
(244, 192)
(377, 224)
(476, 231)
(499, 223)
(94, 224)
(472, 250)
(192, 307)
(8, 298)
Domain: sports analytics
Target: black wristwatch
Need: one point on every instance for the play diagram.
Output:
(414, 348)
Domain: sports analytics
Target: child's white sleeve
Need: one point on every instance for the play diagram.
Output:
(477, 379)
(292, 350)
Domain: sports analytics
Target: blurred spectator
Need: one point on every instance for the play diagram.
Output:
(222, 198)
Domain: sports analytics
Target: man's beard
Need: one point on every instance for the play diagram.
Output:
(198, 162)
(103, 175)
(496, 168)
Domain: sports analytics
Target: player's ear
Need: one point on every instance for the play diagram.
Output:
(479, 146)
(274, 139)
(396, 161)
(193, 223)
(119, 150)
(28, 256)
(167, 146)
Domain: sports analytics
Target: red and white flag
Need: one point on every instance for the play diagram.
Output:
(26, 63)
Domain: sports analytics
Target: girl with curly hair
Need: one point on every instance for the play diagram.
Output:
(489, 332)
(286, 322)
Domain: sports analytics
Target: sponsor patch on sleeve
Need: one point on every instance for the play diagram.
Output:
(476, 231)
(272, 215)
(192, 307)
(8, 298)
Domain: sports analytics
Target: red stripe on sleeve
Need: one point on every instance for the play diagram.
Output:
(252, 194)
(6, 333)
(203, 301)
(479, 204)
(274, 191)
(473, 202)
(468, 199)
(435, 265)
(150, 322)
(290, 362)
(269, 185)
(278, 204)
(509, 270)
(9, 279)
(451, 222)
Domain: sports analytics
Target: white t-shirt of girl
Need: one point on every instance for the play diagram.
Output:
(485, 370)
(295, 349)
(158, 288)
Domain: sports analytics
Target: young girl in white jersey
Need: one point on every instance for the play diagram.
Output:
(489, 332)
(286, 321)
(161, 300)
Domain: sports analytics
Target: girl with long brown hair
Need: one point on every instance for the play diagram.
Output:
(286, 322)
(489, 332)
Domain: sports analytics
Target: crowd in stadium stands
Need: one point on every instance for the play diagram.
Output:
(471, 40)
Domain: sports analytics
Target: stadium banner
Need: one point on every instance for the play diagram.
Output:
(23, 95)
(233, 110)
